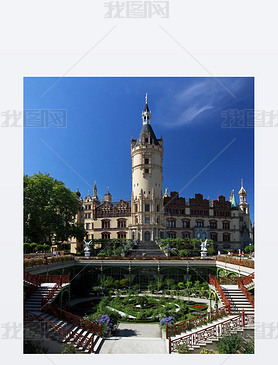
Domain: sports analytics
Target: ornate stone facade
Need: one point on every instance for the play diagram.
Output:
(150, 215)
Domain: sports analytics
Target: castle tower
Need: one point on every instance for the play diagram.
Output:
(108, 196)
(146, 200)
(243, 205)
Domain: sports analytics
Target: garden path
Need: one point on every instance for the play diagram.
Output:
(135, 338)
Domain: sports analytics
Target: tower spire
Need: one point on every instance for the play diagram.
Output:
(146, 114)
(95, 197)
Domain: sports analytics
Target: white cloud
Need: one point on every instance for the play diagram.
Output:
(200, 97)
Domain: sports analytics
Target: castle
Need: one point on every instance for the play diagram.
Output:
(150, 214)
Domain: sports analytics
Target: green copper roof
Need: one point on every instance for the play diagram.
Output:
(234, 204)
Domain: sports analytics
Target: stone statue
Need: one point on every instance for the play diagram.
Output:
(204, 245)
(87, 248)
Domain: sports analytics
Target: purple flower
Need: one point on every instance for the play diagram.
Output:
(167, 320)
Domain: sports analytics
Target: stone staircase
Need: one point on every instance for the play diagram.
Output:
(202, 327)
(71, 331)
(33, 303)
(57, 326)
(146, 249)
(211, 342)
(237, 300)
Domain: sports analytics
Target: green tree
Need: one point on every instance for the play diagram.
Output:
(49, 210)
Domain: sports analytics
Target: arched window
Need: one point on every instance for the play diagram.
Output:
(121, 223)
(105, 223)
(105, 235)
(121, 235)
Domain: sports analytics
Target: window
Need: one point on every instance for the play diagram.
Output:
(105, 224)
(185, 235)
(226, 225)
(147, 207)
(147, 220)
(146, 171)
(213, 236)
(105, 235)
(157, 208)
(213, 225)
(186, 224)
(171, 223)
(87, 225)
(136, 208)
(121, 223)
(157, 220)
(226, 237)
(171, 234)
(199, 224)
(146, 161)
(121, 235)
(146, 139)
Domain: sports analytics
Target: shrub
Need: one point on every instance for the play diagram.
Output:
(33, 247)
(249, 346)
(183, 349)
(229, 344)
(249, 249)
(27, 247)
(68, 348)
(207, 351)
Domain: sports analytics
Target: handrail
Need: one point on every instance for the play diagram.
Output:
(213, 281)
(37, 280)
(61, 331)
(33, 279)
(247, 279)
(177, 328)
(215, 330)
(50, 295)
(78, 321)
(245, 291)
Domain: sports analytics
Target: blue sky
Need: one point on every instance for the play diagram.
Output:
(104, 113)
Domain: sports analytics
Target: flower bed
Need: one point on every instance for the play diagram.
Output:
(31, 262)
(236, 261)
(155, 308)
